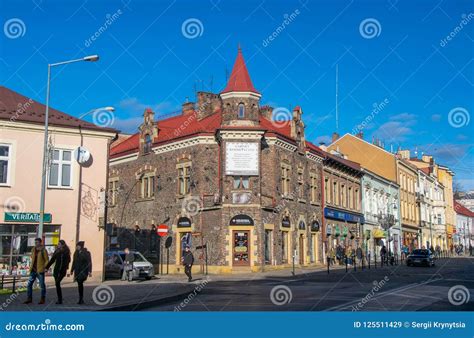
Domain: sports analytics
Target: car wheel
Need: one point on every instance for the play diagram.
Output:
(148, 277)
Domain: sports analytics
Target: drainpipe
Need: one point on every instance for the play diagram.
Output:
(323, 219)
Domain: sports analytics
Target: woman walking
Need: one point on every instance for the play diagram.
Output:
(61, 259)
(81, 268)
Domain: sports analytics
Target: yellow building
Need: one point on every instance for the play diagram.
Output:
(407, 176)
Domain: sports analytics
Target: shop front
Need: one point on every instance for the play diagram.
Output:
(411, 238)
(241, 227)
(17, 238)
(346, 228)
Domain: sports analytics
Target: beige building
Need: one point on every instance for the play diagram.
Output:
(74, 204)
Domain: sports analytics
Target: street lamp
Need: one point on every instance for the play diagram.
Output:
(90, 58)
(92, 111)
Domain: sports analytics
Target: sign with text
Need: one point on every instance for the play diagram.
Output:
(26, 217)
(241, 158)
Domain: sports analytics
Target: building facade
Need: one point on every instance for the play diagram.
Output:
(74, 208)
(381, 208)
(343, 218)
(464, 225)
(243, 190)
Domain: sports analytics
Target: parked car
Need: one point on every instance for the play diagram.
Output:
(421, 257)
(114, 265)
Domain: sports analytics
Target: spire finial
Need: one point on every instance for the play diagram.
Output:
(239, 48)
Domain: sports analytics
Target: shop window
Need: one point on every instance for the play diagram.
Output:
(343, 195)
(5, 162)
(147, 186)
(335, 196)
(284, 247)
(241, 111)
(184, 178)
(285, 178)
(241, 182)
(60, 171)
(356, 199)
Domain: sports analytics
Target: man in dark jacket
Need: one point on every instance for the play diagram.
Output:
(128, 265)
(61, 259)
(188, 260)
(81, 268)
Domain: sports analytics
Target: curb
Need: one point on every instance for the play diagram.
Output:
(146, 304)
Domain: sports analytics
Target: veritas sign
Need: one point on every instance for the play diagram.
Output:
(241, 158)
(26, 217)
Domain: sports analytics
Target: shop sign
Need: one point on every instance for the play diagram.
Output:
(241, 220)
(315, 226)
(343, 216)
(241, 158)
(285, 222)
(184, 222)
(26, 217)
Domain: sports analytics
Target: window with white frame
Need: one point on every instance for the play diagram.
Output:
(5, 161)
(60, 171)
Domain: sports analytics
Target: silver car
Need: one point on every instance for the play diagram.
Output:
(114, 265)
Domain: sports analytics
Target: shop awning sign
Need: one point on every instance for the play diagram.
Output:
(241, 220)
(26, 217)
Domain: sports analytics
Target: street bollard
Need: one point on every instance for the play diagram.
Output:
(329, 262)
(354, 262)
(345, 259)
(14, 284)
(375, 261)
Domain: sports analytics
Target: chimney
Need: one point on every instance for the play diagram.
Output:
(360, 135)
(208, 103)
(335, 136)
(267, 112)
(427, 158)
(188, 108)
(404, 154)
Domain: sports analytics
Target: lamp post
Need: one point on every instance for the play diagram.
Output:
(90, 58)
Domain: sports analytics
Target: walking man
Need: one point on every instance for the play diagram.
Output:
(61, 259)
(128, 265)
(188, 260)
(39, 259)
(81, 268)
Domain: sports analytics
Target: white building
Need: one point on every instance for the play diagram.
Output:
(381, 208)
(464, 226)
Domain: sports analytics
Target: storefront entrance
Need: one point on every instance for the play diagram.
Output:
(241, 247)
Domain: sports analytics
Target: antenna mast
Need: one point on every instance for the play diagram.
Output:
(337, 92)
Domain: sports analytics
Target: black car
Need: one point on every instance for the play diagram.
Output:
(421, 257)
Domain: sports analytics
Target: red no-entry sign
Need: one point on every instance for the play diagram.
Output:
(162, 230)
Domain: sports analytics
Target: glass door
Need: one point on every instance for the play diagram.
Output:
(241, 248)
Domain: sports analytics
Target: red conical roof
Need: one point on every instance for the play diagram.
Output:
(239, 80)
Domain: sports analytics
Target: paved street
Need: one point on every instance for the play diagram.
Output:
(405, 289)
(397, 288)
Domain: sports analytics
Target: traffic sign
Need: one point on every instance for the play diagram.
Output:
(162, 230)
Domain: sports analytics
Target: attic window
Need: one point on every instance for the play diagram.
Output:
(147, 145)
(241, 111)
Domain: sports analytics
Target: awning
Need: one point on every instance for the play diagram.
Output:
(378, 233)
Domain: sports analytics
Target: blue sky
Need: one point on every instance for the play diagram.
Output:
(405, 66)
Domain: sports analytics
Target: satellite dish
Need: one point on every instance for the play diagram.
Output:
(82, 155)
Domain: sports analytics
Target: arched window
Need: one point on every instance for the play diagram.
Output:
(241, 111)
(147, 147)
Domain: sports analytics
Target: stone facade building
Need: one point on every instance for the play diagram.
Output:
(243, 190)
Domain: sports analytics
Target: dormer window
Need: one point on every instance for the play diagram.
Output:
(147, 145)
(241, 111)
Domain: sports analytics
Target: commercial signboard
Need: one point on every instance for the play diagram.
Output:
(343, 216)
(26, 217)
(241, 158)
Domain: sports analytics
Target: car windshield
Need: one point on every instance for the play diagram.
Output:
(139, 257)
(421, 252)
